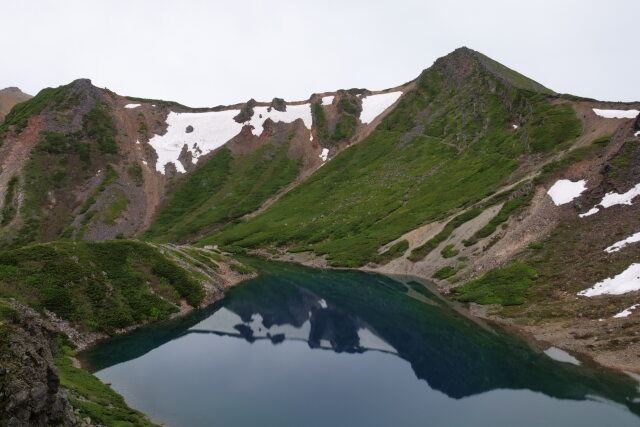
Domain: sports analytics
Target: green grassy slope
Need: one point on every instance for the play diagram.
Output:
(225, 187)
(100, 286)
(448, 144)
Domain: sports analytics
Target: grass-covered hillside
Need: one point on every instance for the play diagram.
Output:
(450, 142)
(225, 187)
(106, 286)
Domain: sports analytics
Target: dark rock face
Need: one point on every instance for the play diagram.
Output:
(278, 104)
(82, 96)
(637, 124)
(30, 392)
(246, 112)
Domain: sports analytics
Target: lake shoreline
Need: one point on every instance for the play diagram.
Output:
(540, 336)
(334, 315)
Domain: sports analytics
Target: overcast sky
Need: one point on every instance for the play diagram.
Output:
(205, 53)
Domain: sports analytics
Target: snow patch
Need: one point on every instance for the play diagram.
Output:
(132, 106)
(627, 311)
(325, 154)
(627, 281)
(612, 199)
(564, 191)
(374, 105)
(589, 212)
(622, 243)
(515, 126)
(637, 133)
(293, 113)
(327, 100)
(561, 356)
(617, 114)
(210, 131)
(323, 303)
(213, 129)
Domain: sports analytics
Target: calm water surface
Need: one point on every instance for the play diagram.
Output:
(304, 347)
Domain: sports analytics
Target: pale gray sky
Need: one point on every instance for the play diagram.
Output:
(205, 53)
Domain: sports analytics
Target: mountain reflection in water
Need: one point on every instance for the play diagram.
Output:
(354, 312)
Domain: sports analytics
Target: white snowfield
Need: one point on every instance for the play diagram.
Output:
(627, 281)
(564, 191)
(622, 243)
(617, 114)
(293, 113)
(327, 100)
(374, 105)
(213, 129)
(132, 106)
(627, 311)
(210, 131)
(612, 199)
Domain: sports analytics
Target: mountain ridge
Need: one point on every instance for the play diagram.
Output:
(445, 177)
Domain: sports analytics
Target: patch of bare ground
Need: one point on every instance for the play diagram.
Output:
(308, 259)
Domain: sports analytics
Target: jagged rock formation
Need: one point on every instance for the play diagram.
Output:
(30, 392)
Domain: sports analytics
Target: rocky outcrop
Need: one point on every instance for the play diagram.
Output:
(30, 393)
(246, 112)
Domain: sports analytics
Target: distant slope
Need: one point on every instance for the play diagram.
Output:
(451, 142)
(9, 97)
(79, 162)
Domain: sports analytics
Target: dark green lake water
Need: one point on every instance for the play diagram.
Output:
(305, 347)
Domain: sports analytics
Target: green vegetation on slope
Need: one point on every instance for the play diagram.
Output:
(319, 121)
(424, 249)
(95, 399)
(505, 211)
(392, 182)
(116, 207)
(104, 286)
(395, 251)
(59, 98)
(224, 188)
(505, 286)
(98, 125)
(58, 164)
(448, 251)
(8, 207)
(448, 271)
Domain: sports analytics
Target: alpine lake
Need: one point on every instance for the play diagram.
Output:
(298, 346)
